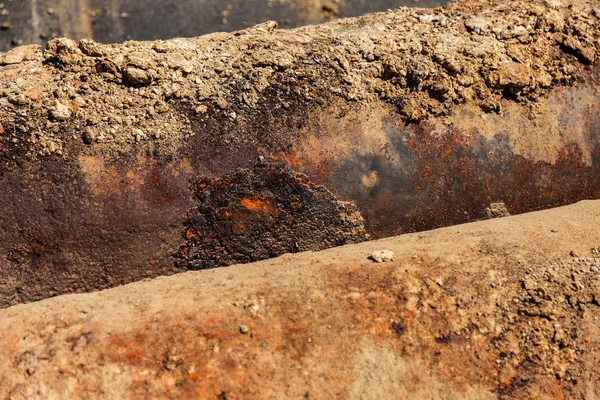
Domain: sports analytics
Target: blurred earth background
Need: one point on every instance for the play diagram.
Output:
(111, 21)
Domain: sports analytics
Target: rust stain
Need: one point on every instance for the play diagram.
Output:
(420, 179)
(258, 204)
(141, 180)
(190, 233)
(204, 354)
(158, 189)
(102, 179)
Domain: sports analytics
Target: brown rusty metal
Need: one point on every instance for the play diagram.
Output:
(414, 177)
(89, 222)
(426, 181)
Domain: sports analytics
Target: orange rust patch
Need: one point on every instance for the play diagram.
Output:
(257, 204)
(190, 233)
(158, 189)
(134, 351)
(102, 179)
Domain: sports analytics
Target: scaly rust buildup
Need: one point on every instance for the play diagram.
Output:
(264, 212)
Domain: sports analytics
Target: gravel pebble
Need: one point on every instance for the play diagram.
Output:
(382, 256)
(60, 112)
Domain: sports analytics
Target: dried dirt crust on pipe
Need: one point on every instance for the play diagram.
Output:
(498, 309)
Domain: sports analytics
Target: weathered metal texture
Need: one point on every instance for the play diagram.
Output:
(75, 227)
(88, 222)
(263, 213)
(407, 178)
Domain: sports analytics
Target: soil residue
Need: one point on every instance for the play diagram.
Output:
(115, 97)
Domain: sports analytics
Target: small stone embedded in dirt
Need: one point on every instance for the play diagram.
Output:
(594, 268)
(137, 76)
(587, 53)
(90, 48)
(89, 135)
(528, 284)
(138, 134)
(496, 210)
(244, 329)
(19, 54)
(65, 50)
(382, 256)
(222, 104)
(60, 112)
(573, 253)
(18, 99)
(511, 76)
(201, 109)
(477, 24)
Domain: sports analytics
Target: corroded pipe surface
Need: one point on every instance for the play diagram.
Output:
(406, 178)
(123, 162)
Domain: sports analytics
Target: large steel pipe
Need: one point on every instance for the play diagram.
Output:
(125, 162)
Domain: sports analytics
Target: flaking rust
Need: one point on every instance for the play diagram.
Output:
(262, 212)
(440, 180)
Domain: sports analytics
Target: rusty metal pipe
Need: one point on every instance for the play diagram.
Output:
(125, 162)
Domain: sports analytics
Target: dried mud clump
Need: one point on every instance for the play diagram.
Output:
(264, 212)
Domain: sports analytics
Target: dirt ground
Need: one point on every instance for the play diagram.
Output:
(500, 309)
